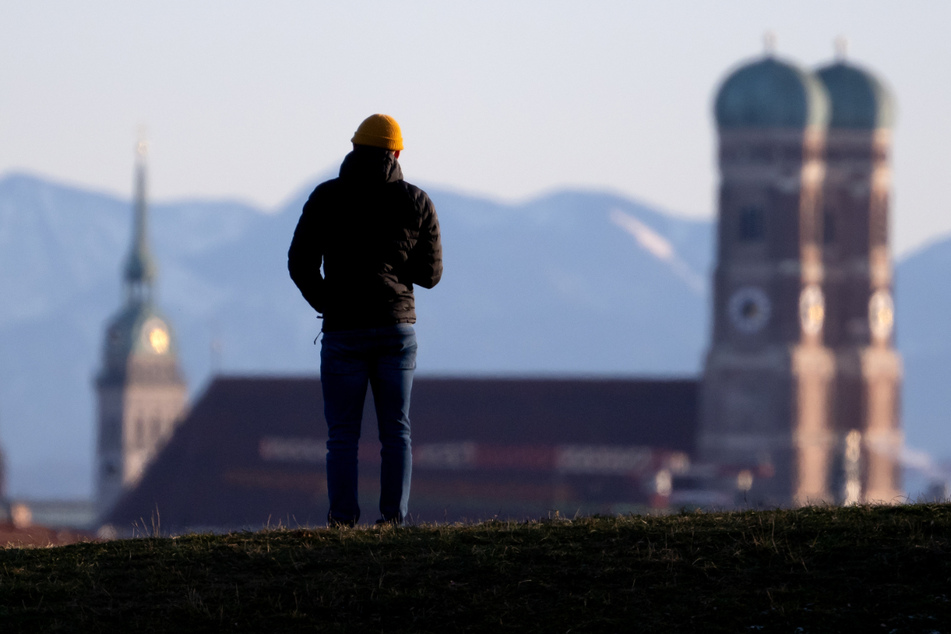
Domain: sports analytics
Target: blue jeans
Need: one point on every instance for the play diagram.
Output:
(383, 358)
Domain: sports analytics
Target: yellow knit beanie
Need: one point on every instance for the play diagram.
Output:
(379, 130)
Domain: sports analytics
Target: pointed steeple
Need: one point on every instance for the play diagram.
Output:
(140, 266)
(140, 389)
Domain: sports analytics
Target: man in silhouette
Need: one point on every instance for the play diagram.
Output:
(376, 236)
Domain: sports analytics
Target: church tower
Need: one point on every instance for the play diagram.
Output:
(858, 285)
(141, 393)
(768, 379)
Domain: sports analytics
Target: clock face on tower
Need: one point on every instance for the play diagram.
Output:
(812, 309)
(881, 315)
(749, 309)
(155, 336)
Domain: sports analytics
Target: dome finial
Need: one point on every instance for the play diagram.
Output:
(841, 48)
(769, 42)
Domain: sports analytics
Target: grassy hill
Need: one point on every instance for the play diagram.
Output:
(857, 569)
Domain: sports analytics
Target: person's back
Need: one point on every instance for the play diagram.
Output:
(375, 236)
(371, 222)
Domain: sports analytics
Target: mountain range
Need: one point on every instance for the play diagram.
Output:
(572, 283)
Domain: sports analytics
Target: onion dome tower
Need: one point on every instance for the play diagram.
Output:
(141, 393)
(766, 389)
(858, 284)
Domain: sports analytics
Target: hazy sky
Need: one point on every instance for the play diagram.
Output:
(505, 99)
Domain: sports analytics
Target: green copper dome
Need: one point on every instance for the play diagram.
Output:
(859, 100)
(769, 93)
(139, 329)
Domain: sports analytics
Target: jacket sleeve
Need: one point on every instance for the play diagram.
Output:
(305, 256)
(426, 257)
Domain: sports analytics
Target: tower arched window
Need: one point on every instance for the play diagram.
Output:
(752, 226)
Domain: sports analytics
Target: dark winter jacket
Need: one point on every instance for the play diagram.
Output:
(375, 235)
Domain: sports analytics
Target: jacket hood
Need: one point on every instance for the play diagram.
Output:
(370, 164)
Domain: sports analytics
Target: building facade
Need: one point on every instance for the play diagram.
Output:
(140, 390)
(801, 383)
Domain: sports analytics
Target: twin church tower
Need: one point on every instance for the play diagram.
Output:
(802, 381)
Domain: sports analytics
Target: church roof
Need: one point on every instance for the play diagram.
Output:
(859, 99)
(252, 448)
(771, 93)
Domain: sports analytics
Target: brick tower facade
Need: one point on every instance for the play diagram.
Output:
(800, 387)
(858, 285)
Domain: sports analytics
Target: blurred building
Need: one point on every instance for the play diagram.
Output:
(140, 390)
(802, 380)
(19, 530)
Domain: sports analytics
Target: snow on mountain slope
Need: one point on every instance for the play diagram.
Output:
(554, 286)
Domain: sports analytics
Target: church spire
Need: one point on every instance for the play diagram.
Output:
(140, 266)
(140, 388)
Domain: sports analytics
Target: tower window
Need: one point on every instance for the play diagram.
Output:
(752, 224)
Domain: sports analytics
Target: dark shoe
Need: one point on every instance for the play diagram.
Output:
(394, 521)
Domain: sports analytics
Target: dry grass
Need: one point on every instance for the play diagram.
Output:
(864, 569)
